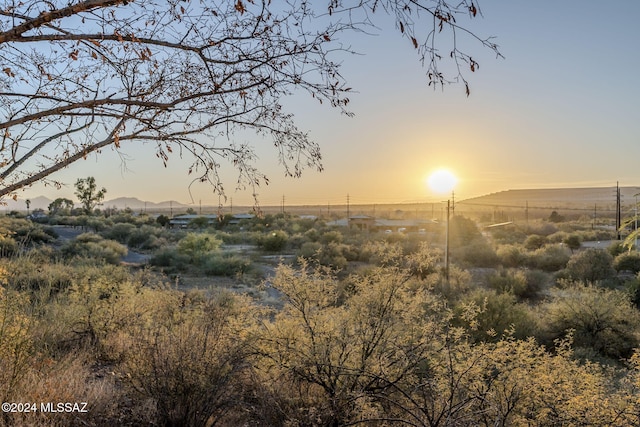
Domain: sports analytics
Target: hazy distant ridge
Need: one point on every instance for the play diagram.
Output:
(545, 197)
(42, 202)
(578, 197)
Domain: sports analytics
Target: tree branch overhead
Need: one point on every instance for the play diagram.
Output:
(78, 76)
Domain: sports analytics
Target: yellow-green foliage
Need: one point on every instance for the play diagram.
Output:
(16, 344)
(393, 345)
(197, 245)
(190, 361)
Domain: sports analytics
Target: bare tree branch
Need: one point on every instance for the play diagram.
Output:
(185, 75)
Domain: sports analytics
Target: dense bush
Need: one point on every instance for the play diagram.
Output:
(478, 254)
(8, 246)
(512, 255)
(172, 260)
(521, 283)
(489, 316)
(600, 319)
(119, 232)
(590, 265)
(508, 281)
(145, 237)
(549, 258)
(628, 261)
(91, 246)
(534, 242)
(508, 234)
(225, 265)
(197, 245)
(192, 365)
(274, 241)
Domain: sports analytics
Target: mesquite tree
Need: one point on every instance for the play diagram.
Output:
(184, 76)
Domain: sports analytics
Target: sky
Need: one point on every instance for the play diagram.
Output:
(559, 110)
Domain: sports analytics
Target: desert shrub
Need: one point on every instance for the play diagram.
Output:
(601, 319)
(297, 240)
(70, 378)
(144, 237)
(119, 232)
(617, 248)
(629, 261)
(463, 231)
(225, 265)
(192, 364)
(542, 228)
(534, 242)
(274, 241)
(25, 273)
(231, 238)
(333, 255)
(557, 237)
(25, 232)
(309, 250)
(171, 259)
(97, 224)
(197, 245)
(394, 238)
(573, 242)
(8, 246)
(100, 304)
(549, 258)
(508, 235)
(91, 246)
(633, 288)
(590, 265)
(333, 351)
(423, 262)
(478, 254)
(510, 281)
(16, 344)
(556, 217)
(537, 281)
(312, 234)
(489, 316)
(523, 284)
(456, 287)
(511, 255)
(333, 236)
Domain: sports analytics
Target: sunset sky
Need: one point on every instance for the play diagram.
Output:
(560, 110)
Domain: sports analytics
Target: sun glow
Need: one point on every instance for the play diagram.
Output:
(442, 181)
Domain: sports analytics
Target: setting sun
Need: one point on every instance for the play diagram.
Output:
(442, 181)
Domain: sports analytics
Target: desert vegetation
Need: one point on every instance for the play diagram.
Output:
(294, 322)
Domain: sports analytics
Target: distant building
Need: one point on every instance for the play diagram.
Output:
(182, 221)
(369, 223)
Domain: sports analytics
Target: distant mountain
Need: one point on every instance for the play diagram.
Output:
(42, 202)
(137, 204)
(556, 197)
(39, 202)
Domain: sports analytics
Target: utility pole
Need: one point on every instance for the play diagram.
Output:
(635, 228)
(618, 211)
(446, 246)
(453, 203)
(348, 211)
